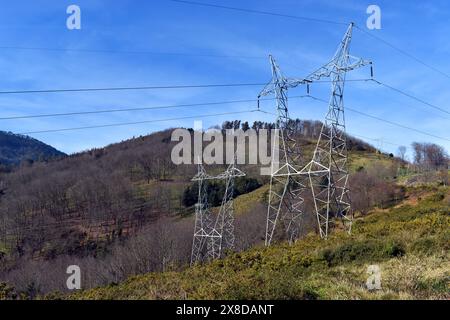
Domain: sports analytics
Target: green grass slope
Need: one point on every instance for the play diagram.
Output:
(410, 243)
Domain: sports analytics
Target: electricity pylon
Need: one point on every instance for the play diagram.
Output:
(286, 201)
(222, 235)
(203, 219)
(213, 237)
(327, 172)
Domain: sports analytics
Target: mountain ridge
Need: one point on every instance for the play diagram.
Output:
(15, 149)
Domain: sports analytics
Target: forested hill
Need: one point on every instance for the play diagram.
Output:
(112, 202)
(17, 148)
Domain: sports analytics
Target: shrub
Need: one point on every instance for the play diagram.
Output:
(394, 249)
(7, 292)
(436, 197)
(424, 245)
(366, 251)
(349, 252)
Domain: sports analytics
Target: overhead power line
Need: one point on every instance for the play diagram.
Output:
(310, 19)
(173, 119)
(137, 122)
(373, 117)
(352, 134)
(397, 124)
(132, 88)
(261, 12)
(204, 55)
(136, 88)
(375, 139)
(387, 121)
(411, 96)
(230, 113)
(50, 115)
(403, 52)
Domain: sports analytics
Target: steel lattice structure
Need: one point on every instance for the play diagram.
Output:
(225, 219)
(213, 237)
(327, 172)
(203, 219)
(326, 176)
(284, 190)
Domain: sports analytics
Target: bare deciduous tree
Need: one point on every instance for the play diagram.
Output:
(430, 156)
(401, 152)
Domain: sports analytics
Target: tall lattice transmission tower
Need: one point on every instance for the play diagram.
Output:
(284, 198)
(327, 172)
(326, 176)
(212, 237)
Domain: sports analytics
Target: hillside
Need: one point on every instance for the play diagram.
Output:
(17, 148)
(130, 208)
(101, 194)
(409, 242)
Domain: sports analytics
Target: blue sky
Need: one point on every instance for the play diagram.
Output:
(164, 26)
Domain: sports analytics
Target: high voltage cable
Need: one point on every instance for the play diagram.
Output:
(260, 12)
(221, 114)
(220, 85)
(132, 52)
(49, 115)
(217, 103)
(170, 119)
(387, 121)
(136, 122)
(352, 134)
(411, 96)
(378, 38)
(375, 139)
(132, 88)
(187, 105)
(398, 124)
(404, 52)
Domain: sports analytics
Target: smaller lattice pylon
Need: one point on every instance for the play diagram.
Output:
(213, 236)
(203, 219)
(224, 226)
